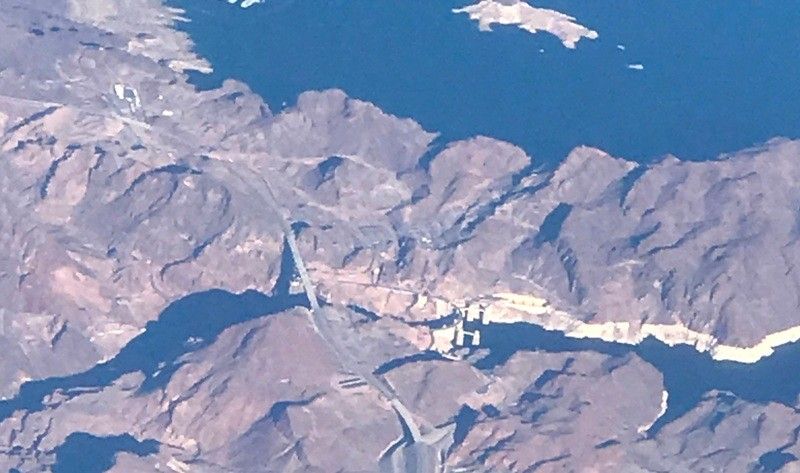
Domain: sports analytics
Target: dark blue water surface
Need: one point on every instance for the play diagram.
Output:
(86, 453)
(187, 325)
(688, 374)
(717, 78)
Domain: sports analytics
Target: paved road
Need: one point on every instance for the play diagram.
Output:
(415, 452)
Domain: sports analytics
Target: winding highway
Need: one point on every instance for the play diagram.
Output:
(420, 449)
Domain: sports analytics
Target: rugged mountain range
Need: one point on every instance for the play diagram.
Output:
(152, 311)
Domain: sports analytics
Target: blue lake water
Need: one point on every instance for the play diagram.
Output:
(86, 453)
(688, 374)
(715, 79)
(187, 325)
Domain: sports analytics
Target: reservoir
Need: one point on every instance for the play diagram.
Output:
(712, 80)
(188, 324)
(688, 374)
(705, 81)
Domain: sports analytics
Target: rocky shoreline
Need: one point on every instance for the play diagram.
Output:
(112, 212)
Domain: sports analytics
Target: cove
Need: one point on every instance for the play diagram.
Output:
(86, 453)
(714, 80)
(688, 374)
(186, 325)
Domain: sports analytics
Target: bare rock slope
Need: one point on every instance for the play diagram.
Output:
(126, 191)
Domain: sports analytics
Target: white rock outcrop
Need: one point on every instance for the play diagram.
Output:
(516, 308)
(528, 18)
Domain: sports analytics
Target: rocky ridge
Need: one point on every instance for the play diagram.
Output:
(111, 212)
